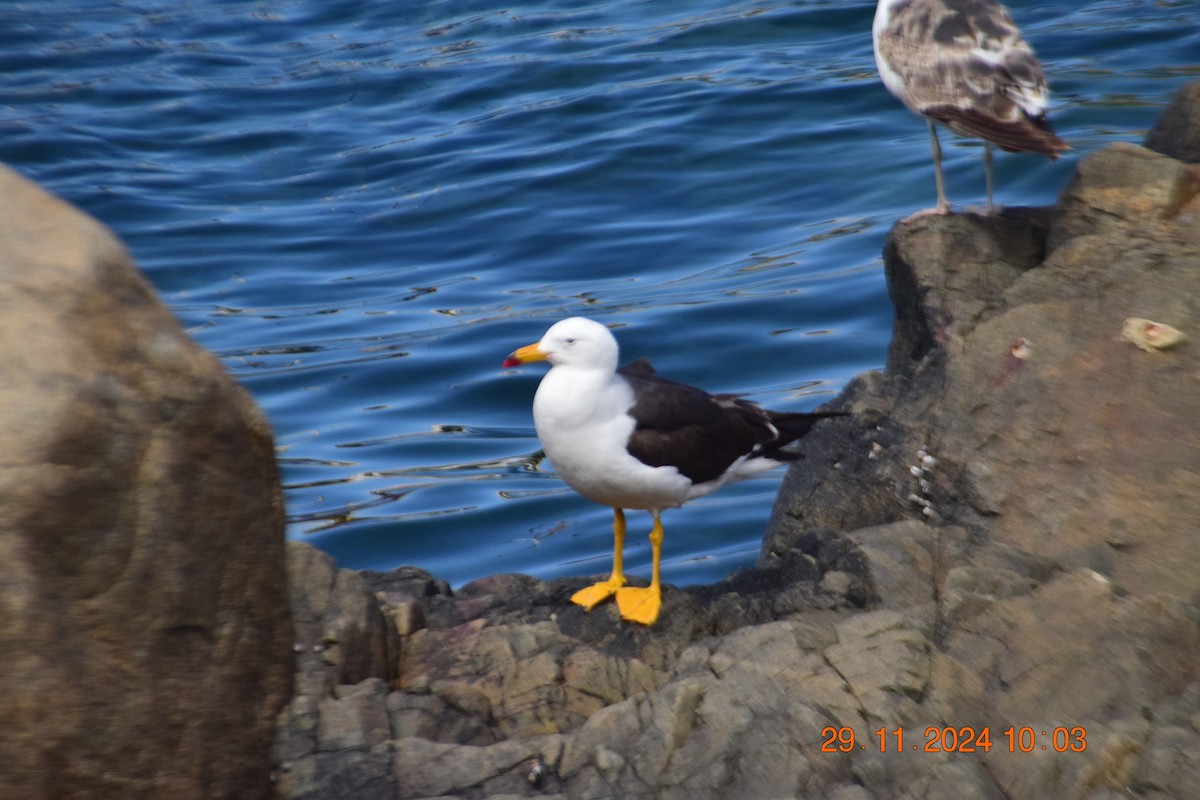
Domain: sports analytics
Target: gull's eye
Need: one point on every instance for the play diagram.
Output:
(570, 340)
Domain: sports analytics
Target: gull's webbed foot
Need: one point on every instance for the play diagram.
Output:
(640, 605)
(592, 596)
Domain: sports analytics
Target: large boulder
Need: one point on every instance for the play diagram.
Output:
(145, 638)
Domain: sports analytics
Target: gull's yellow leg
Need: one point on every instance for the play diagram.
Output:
(597, 593)
(642, 605)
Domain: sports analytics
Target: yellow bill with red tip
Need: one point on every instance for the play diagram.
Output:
(524, 355)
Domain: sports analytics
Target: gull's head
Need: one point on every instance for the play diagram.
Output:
(572, 342)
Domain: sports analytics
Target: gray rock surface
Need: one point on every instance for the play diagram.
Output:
(145, 636)
(1177, 132)
(1002, 538)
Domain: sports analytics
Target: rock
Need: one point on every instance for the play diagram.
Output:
(335, 735)
(341, 633)
(1049, 546)
(1177, 132)
(505, 659)
(953, 272)
(740, 717)
(524, 679)
(981, 585)
(145, 636)
(1149, 197)
(432, 769)
(1006, 400)
(337, 745)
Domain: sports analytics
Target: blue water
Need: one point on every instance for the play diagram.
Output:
(362, 207)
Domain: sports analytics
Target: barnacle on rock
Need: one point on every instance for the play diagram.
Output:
(922, 471)
(1150, 335)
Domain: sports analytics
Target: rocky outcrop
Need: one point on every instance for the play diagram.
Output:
(505, 667)
(1027, 487)
(1048, 432)
(981, 585)
(145, 638)
(1177, 132)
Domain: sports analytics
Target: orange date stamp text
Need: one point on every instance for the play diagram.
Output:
(951, 739)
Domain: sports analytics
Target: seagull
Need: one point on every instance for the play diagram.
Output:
(964, 64)
(629, 439)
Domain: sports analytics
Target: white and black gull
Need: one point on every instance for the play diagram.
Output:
(964, 64)
(630, 439)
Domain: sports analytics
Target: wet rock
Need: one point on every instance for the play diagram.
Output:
(145, 637)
